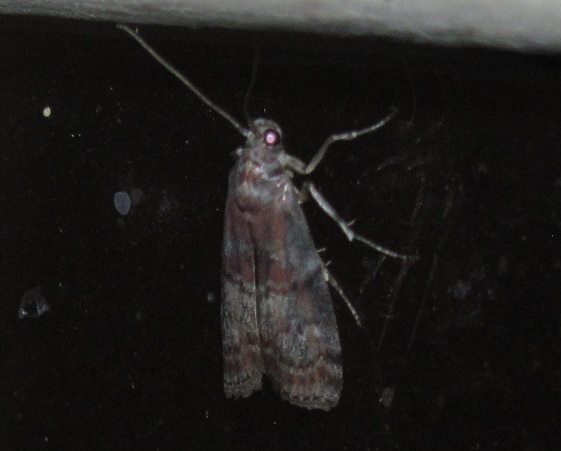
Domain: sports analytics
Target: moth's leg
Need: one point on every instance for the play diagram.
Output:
(345, 227)
(303, 194)
(302, 168)
(331, 281)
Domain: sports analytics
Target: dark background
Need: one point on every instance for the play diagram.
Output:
(129, 356)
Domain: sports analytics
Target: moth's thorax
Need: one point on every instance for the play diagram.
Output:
(259, 176)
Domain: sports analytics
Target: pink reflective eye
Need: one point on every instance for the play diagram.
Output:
(271, 138)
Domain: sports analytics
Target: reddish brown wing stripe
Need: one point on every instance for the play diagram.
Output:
(304, 359)
(300, 340)
(243, 364)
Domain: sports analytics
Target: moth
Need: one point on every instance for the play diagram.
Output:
(277, 314)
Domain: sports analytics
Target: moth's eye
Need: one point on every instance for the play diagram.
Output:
(271, 137)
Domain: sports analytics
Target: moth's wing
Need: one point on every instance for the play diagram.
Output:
(299, 335)
(243, 363)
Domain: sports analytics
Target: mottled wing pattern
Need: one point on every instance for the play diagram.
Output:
(299, 335)
(243, 364)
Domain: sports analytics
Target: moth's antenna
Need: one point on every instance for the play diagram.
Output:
(256, 58)
(183, 79)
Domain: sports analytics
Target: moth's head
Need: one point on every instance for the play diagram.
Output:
(265, 134)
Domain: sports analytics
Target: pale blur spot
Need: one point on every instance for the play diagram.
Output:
(387, 397)
(122, 202)
(33, 304)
